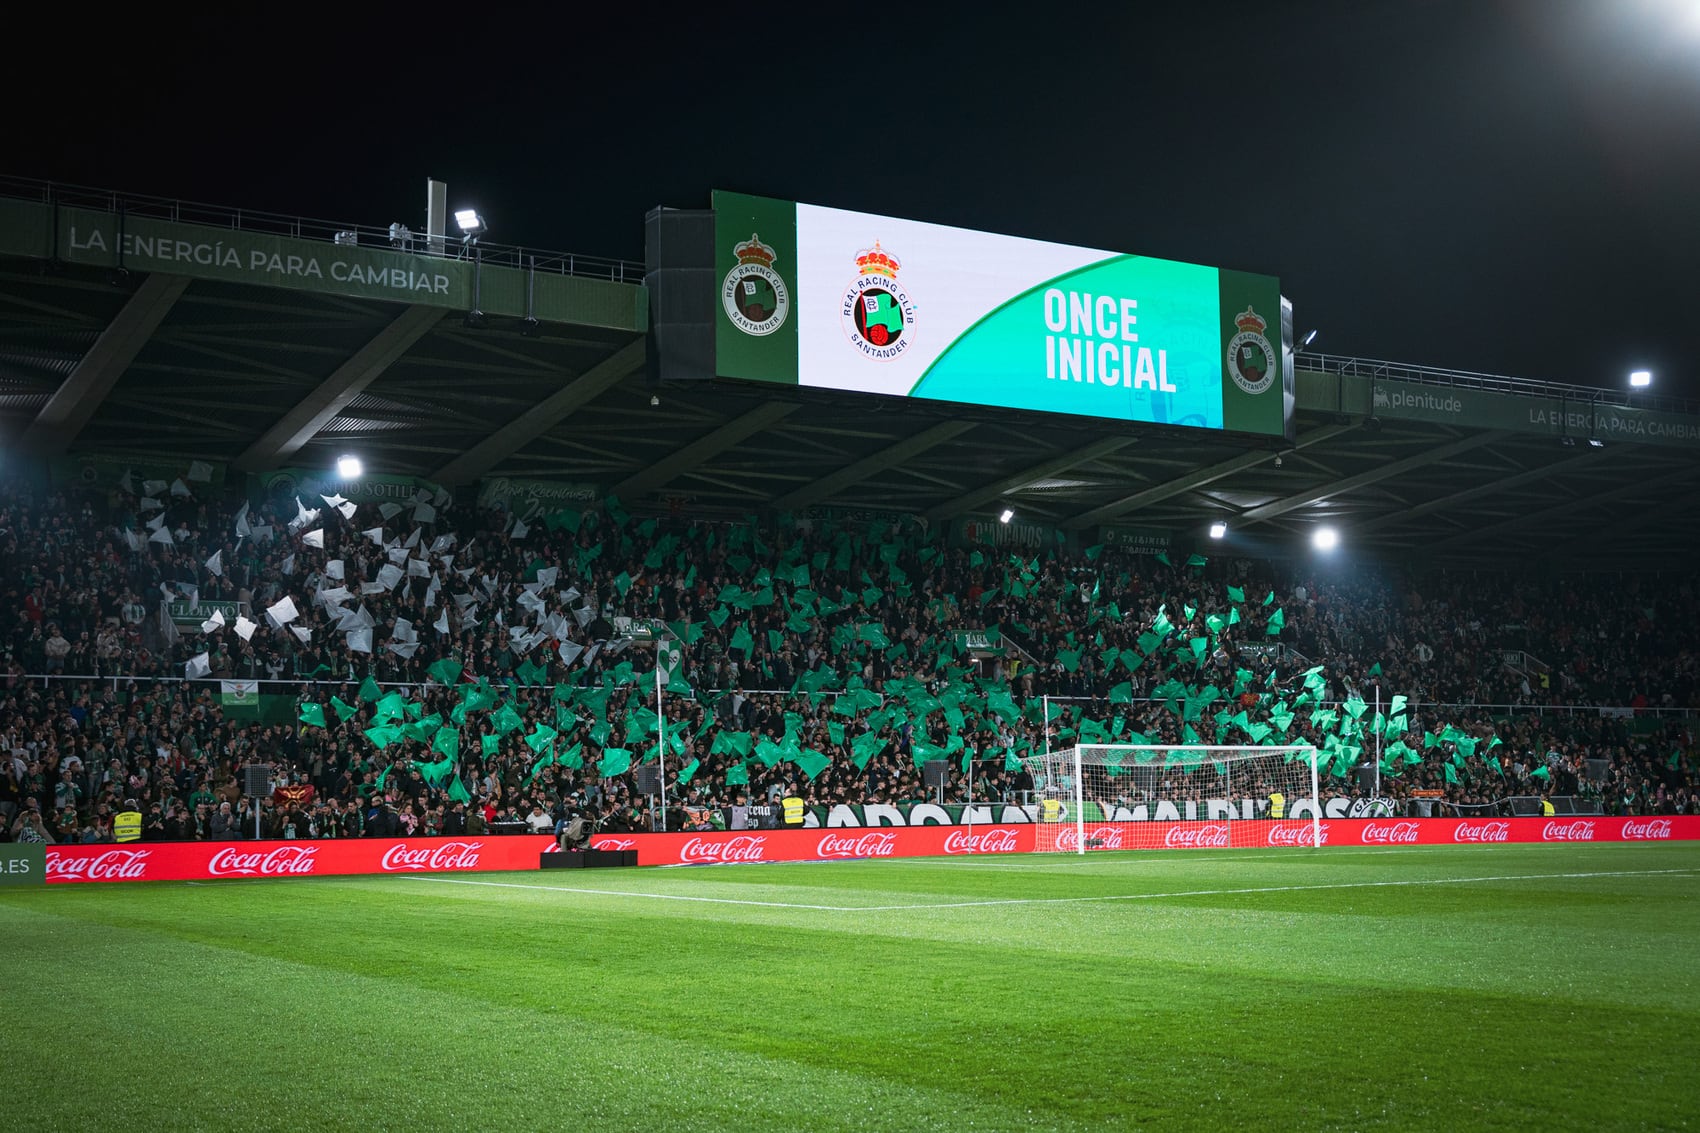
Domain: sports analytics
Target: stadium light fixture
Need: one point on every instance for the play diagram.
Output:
(471, 224)
(349, 467)
(1641, 379)
(1309, 337)
(1595, 442)
(1325, 539)
(1007, 515)
(1218, 530)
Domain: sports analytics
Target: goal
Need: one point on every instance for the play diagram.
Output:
(1149, 796)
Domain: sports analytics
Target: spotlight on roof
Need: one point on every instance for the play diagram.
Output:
(1325, 539)
(1595, 442)
(1641, 379)
(472, 225)
(1006, 516)
(349, 467)
(1309, 337)
(1218, 530)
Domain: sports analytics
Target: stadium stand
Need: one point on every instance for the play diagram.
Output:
(432, 668)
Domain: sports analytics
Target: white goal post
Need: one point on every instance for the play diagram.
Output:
(1153, 796)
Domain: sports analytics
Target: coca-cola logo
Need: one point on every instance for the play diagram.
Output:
(994, 841)
(739, 848)
(1097, 838)
(614, 844)
(231, 862)
(1578, 831)
(448, 855)
(1289, 835)
(1654, 828)
(1210, 836)
(112, 865)
(880, 845)
(1481, 832)
(1388, 833)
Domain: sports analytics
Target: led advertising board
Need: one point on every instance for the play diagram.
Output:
(840, 300)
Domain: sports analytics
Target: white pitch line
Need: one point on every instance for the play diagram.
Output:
(625, 893)
(1049, 900)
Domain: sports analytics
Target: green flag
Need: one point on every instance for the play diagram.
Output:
(689, 771)
(812, 762)
(614, 761)
(369, 690)
(343, 709)
(737, 775)
(313, 714)
(446, 671)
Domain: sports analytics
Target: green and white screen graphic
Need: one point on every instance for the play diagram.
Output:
(897, 307)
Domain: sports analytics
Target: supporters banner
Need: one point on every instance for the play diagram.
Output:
(203, 861)
(877, 304)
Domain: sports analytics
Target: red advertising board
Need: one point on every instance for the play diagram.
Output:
(199, 861)
(202, 861)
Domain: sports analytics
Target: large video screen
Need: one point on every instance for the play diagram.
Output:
(873, 304)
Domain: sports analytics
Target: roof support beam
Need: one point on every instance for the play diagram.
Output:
(1568, 508)
(302, 423)
(82, 391)
(1218, 471)
(703, 448)
(542, 417)
(1352, 483)
(886, 458)
(1491, 488)
(1059, 463)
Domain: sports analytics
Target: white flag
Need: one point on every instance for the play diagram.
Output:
(548, 575)
(376, 534)
(569, 652)
(388, 575)
(333, 569)
(441, 625)
(214, 622)
(160, 535)
(198, 666)
(150, 504)
(282, 612)
(520, 529)
(216, 563)
(302, 632)
(403, 648)
(314, 538)
(178, 488)
(389, 510)
(360, 640)
(200, 471)
(245, 628)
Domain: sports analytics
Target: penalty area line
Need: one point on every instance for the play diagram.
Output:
(1051, 900)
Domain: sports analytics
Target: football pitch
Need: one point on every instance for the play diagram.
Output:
(1481, 987)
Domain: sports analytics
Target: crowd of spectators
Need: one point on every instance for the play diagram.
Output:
(798, 634)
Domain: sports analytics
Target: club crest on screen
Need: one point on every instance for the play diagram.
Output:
(1251, 360)
(754, 295)
(878, 315)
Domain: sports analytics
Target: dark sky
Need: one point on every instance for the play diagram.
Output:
(1510, 187)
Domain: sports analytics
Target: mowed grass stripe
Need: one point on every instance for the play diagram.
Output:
(1492, 1006)
(228, 1039)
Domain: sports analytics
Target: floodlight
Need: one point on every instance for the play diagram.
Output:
(349, 467)
(1325, 539)
(1006, 516)
(471, 224)
(1309, 337)
(1641, 379)
(1595, 442)
(1218, 530)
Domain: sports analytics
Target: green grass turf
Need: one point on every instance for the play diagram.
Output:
(1499, 987)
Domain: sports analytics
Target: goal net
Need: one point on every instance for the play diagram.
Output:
(1147, 796)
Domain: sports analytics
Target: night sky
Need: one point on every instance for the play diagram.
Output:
(1505, 187)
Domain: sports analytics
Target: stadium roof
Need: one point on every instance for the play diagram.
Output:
(240, 354)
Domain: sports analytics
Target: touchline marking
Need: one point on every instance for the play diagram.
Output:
(1046, 900)
(628, 893)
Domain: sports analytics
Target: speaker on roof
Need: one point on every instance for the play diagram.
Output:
(679, 275)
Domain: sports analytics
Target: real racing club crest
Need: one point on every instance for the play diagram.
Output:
(878, 315)
(753, 294)
(1251, 360)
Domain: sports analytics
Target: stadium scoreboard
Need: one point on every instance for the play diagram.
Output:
(828, 299)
